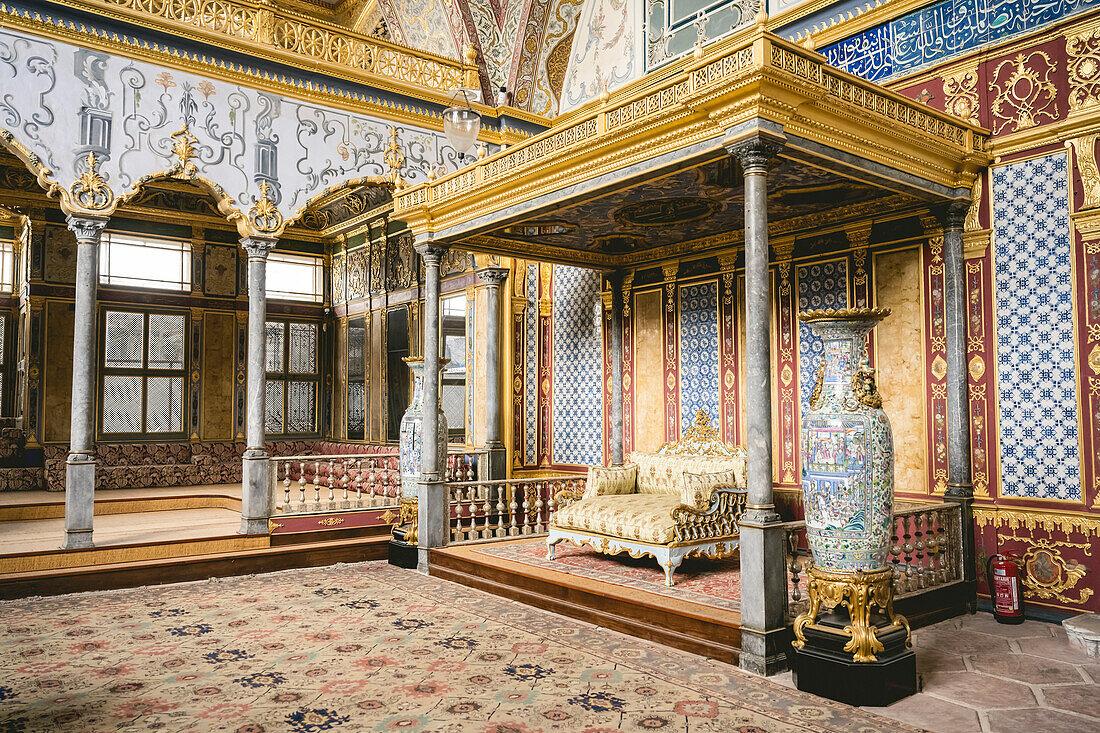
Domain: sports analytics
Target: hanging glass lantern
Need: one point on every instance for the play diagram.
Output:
(461, 124)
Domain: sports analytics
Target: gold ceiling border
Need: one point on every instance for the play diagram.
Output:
(305, 91)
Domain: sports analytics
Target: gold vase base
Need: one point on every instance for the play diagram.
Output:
(405, 528)
(860, 592)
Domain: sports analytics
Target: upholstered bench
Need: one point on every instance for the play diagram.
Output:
(683, 501)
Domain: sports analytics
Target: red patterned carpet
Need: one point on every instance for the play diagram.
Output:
(363, 647)
(709, 582)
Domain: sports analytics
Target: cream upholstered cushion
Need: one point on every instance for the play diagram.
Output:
(610, 480)
(697, 487)
(642, 517)
(659, 474)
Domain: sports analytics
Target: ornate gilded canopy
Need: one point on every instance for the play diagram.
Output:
(645, 174)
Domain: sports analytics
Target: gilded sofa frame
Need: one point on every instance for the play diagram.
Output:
(710, 532)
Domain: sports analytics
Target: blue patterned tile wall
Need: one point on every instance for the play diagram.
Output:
(942, 30)
(578, 367)
(530, 366)
(699, 365)
(820, 285)
(1037, 387)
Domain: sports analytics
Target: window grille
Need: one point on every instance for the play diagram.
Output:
(293, 377)
(143, 373)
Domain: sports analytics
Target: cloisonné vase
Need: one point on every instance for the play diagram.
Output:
(411, 441)
(847, 449)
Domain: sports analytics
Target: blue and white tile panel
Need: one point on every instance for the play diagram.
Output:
(820, 285)
(699, 357)
(578, 367)
(471, 367)
(530, 367)
(1037, 386)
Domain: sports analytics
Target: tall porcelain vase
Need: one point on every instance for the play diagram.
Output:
(847, 449)
(412, 434)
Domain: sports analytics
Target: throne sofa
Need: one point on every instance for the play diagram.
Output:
(682, 501)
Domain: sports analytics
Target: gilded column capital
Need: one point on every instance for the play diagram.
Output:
(670, 270)
(859, 236)
(492, 277)
(756, 152)
(258, 248)
(727, 262)
(86, 228)
(431, 252)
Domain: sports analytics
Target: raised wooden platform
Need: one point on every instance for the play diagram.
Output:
(697, 628)
(160, 535)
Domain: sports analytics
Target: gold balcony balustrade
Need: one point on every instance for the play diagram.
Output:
(266, 32)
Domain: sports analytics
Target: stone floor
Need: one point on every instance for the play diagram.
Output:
(979, 675)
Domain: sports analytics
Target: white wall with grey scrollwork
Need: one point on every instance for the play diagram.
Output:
(61, 101)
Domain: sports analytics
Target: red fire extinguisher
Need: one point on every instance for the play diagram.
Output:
(1003, 576)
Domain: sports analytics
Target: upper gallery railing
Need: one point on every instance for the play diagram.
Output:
(262, 30)
(702, 98)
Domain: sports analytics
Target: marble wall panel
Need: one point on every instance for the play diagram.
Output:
(899, 349)
(649, 406)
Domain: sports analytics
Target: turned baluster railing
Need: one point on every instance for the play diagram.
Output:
(925, 550)
(316, 484)
(489, 510)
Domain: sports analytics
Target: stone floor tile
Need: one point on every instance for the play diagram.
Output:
(1035, 720)
(1058, 649)
(961, 642)
(1026, 668)
(931, 713)
(934, 660)
(986, 624)
(1083, 699)
(978, 690)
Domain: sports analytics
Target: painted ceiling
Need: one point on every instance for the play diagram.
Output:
(691, 205)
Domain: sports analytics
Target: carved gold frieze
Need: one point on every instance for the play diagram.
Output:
(1026, 95)
(1085, 149)
(961, 95)
(1048, 575)
(1083, 70)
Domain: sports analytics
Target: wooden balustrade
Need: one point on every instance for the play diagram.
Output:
(490, 510)
(317, 484)
(925, 551)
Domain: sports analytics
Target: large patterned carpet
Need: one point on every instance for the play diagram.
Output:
(363, 647)
(709, 582)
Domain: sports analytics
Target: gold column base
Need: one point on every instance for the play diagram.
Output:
(407, 521)
(859, 591)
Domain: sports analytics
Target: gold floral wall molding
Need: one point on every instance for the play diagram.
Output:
(1085, 149)
(1047, 573)
(1014, 519)
(1026, 93)
(1083, 69)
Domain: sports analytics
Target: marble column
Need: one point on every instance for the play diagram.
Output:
(960, 488)
(431, 512)
(958, 418)
(80, 464)
(763, 557)
(492, 277)
(256, 475)
(616, 282)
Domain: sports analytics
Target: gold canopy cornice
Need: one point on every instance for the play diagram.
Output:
(761, 80)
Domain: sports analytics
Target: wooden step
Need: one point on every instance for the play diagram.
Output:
(692, 627)
(192, 567)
